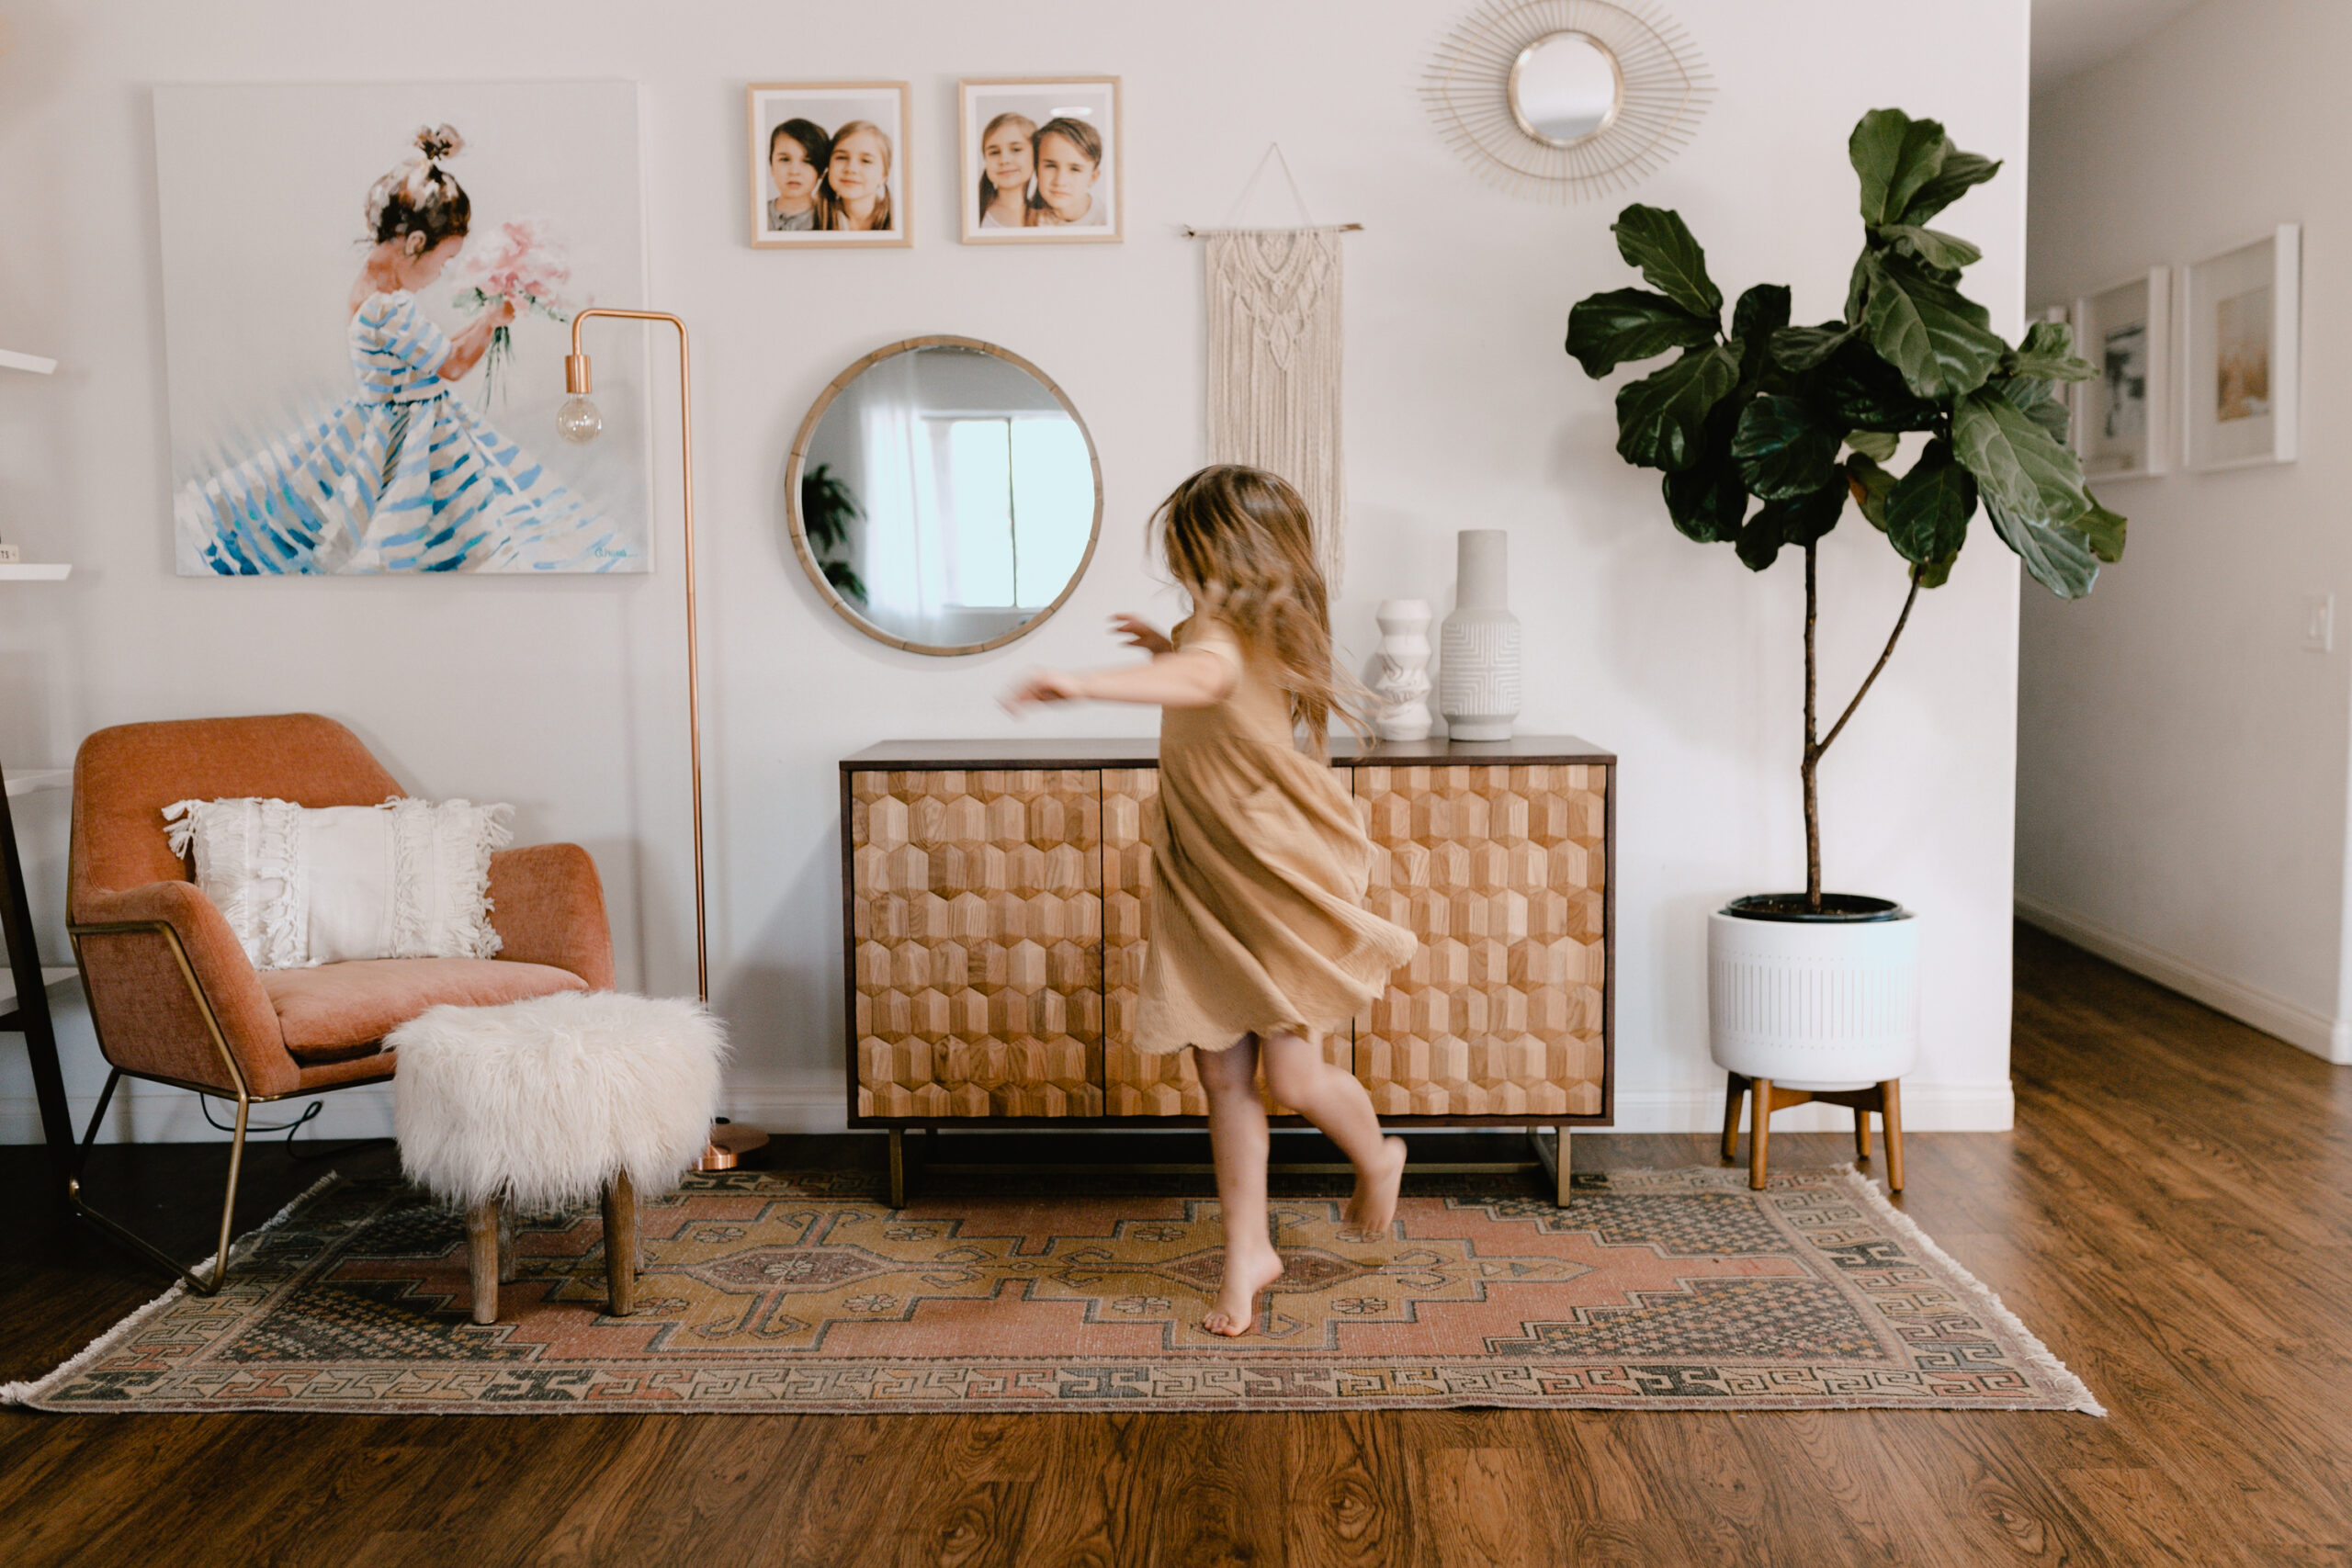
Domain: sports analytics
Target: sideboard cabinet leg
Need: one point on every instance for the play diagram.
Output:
(898, 1168)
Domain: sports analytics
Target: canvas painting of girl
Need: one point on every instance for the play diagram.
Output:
(828, 163)
(372, 391)
(1040, 160)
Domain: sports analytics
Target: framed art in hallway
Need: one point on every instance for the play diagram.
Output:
(1040, 160)
(366, 292)
(829, 164)
(2122, 424)
(2244, 309)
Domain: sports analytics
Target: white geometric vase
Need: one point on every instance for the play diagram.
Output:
(1814, 1004)
(1403, 686)
(1478, 649)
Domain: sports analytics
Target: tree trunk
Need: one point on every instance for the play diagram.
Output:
(1809, 770)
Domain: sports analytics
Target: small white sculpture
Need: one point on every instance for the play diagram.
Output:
(1403, 687)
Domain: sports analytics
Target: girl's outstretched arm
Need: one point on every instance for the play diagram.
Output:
(1195, 678)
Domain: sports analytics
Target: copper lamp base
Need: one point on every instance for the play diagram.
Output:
(728, 1143)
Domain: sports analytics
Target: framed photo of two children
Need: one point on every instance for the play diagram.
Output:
(1039, 162)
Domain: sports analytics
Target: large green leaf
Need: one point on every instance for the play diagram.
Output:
(1897, 157)
(1960, 171)
(1760, 313)
(2102, 529)
(1658, 242)
(1878, 446)
(2018, 463)
(1872, 487)
(1706, 501)
(1800, 349)
(1608, 330)
(2048, 354)
(2039, 400)
(2056, 555)
(1785, 447)
(1946, 253)
(1937, 336)
(1927, 517)
(1796, 522)
(1867, 393)
(1661, 418)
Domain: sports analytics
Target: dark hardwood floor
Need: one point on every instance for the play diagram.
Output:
(2172, 1214)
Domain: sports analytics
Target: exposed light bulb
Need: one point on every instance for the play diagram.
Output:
(577, 420)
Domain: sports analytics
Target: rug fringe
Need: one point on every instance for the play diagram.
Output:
(1986, 1301)
(31, 1388)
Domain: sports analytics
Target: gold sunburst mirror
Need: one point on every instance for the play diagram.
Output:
(1566, 99)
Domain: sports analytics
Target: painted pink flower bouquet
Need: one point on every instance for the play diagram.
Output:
(520, 262)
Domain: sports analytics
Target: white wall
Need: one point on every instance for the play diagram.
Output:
(1462, 411)
(2181, 795)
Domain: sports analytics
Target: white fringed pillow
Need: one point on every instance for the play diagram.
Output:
(406, 879)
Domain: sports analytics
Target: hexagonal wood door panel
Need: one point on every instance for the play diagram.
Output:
(1136, 1084)
(1499, 871)
(977, 912)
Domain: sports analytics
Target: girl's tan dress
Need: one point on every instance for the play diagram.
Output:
(1259, 867)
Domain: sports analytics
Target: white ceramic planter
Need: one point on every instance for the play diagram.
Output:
(1814, 1005)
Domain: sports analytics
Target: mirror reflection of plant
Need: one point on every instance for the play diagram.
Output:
(1765, 410)
(828, 507)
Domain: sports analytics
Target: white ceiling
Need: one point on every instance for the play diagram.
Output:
(2071, 36)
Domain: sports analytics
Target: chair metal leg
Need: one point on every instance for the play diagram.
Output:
(139, 1244)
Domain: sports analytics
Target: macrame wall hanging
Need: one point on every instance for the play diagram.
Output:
(1274, 343)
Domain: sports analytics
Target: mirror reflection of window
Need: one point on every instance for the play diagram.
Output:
(975, 494)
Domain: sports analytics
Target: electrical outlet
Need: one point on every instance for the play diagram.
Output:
(2319, 623)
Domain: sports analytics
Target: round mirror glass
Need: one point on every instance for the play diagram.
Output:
(1565, 88)
(945, 495)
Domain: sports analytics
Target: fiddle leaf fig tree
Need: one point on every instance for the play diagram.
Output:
(1764, 429)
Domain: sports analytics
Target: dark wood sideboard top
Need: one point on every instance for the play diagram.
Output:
(1143, 751)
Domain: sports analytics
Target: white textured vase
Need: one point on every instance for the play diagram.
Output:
(1403, 687)
(1478, 661)
(1814, 1005)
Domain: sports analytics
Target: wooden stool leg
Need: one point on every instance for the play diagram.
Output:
(1861, 1133)
(1891, 1092)
(506, 1264)
(1759, 1133)
(1735, 1091)
(620, 1245)
(481, 1258)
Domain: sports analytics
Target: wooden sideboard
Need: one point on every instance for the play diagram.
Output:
(994, 900)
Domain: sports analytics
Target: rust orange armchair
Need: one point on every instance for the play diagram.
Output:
(174, 999)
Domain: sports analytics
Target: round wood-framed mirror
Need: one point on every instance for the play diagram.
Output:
(945, 496)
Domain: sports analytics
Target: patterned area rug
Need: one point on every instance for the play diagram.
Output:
(799, 1292)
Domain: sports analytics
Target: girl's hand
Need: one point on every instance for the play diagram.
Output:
(502, 313)
(1044, 687)
(1140, 632)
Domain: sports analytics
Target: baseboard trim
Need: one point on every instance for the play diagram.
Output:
(2330, 1039)
(153, 1114)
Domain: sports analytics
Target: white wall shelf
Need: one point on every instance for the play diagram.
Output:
(11, 360)
(33, 571)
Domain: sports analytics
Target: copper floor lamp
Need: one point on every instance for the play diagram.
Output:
(578, 421)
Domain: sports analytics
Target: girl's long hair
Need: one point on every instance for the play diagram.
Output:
(1240, 542)
(987, 187)
(830, 207)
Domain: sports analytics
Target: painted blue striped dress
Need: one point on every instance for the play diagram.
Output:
(405, 476)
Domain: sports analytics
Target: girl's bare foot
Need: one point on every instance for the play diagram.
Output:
(1374, 1207)
(1246, 1274)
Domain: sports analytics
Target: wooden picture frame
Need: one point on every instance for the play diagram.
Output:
(2123, 418)
(827, 107)
(2242, 325)
(1038, 101)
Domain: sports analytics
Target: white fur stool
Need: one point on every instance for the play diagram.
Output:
(547, 1103)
